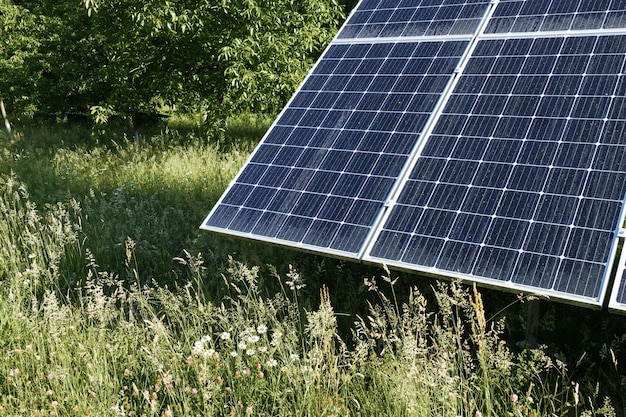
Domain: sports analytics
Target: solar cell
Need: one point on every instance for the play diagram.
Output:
(483, 140)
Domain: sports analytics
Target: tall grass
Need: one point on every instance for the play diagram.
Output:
(108, 307)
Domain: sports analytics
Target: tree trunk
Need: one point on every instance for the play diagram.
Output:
(7, 125)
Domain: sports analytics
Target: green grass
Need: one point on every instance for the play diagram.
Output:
(112, 302)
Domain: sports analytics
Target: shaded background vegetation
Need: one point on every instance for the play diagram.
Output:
(108, 59)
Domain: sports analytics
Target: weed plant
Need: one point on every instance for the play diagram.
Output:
(107, 307)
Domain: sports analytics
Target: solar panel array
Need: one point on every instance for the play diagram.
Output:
(481, 140)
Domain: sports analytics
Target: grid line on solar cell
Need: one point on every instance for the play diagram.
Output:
(400, 18)
(556, 15)
(323, 172)
(485, 162)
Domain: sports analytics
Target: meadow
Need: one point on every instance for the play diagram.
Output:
(112, 302)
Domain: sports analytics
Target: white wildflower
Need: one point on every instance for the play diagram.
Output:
(198, 348)
(225, 336)
(261, 329)
(276, 336)
(271, 363)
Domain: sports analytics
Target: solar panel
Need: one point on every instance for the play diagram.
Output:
(557, 15)
(321, 175)
(482, 140)
(395, 18)
(520, 194)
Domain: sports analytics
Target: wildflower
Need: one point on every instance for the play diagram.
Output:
(126, 372)
(234, 354)
(271, 363)
(242, 345)
(276, 336)
(261, 329)
(478, 414)
(513, 398)
(263, 349)
(194, 391)
(253, 338)
(225, 336)
(168, 413)
(260, 374)
(198, 348)
(294, 357)
(250, 352)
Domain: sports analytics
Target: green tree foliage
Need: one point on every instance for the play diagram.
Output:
(19, 42)
(127, 57)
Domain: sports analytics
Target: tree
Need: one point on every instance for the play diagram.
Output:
(217, 56)
(127, 57)
(19, 41)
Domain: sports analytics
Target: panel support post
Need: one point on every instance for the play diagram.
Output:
(532, 323)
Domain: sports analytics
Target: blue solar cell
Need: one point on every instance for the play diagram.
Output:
(517, 205)
(579, 278)
(495, 263)
(546, 239)
(535, 270)
(556, 209)
(470, 228)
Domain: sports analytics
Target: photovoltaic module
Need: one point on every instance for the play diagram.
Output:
(479, 140)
